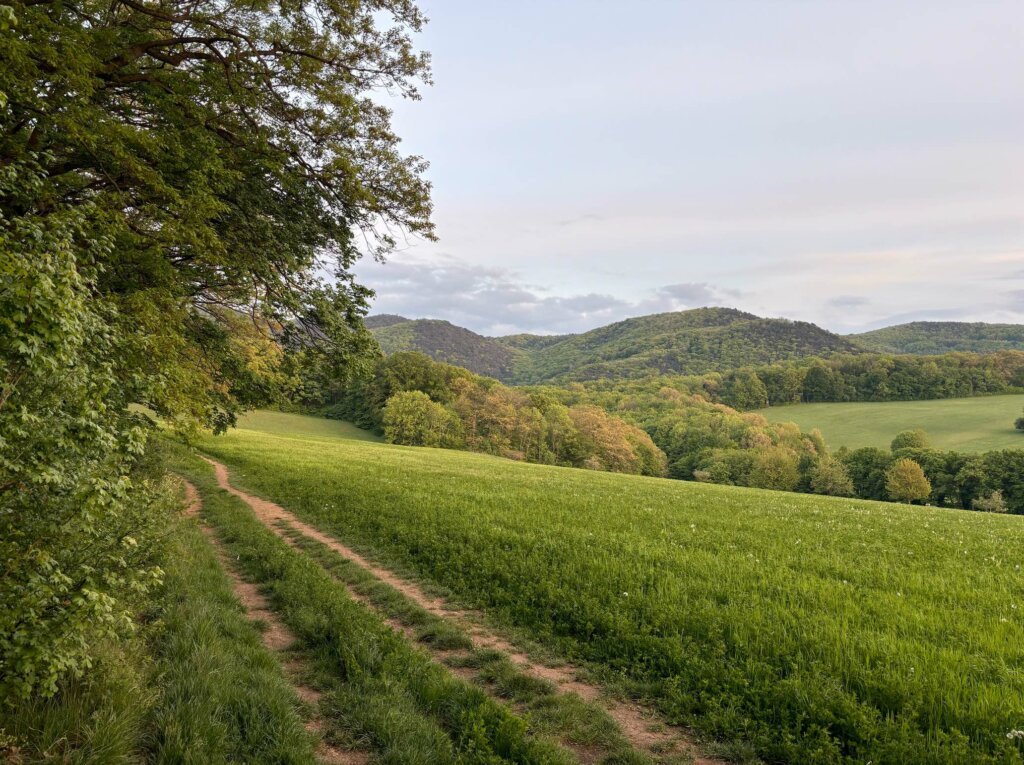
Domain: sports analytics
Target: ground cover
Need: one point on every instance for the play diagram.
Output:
(818, 629)
(977, 424)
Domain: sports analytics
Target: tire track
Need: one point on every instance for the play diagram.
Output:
(276, 636)
(639, 724)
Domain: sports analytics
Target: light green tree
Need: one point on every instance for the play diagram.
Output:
(905, 481)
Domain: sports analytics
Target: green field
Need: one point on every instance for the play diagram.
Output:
(815, 629)
(280, 423)
(962, 424)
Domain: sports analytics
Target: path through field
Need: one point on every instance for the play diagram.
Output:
(276, 637)
(640, 725)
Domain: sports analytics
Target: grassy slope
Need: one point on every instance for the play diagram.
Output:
(817, 628)
(282, 423)
(964, 424)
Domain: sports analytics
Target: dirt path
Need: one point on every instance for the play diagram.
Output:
(640, 725)
(276, 636)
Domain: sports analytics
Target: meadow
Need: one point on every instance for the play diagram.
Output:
(977, 424)
(814, 629)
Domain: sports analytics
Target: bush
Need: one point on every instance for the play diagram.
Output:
(910, 439)
(992, 503)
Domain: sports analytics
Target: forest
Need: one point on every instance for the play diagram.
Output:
(653, 428)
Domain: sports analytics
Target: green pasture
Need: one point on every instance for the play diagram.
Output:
(978, 424)
(815, 629)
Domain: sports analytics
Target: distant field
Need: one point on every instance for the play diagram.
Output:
(818, 629)
(964, 424)
(265, 421)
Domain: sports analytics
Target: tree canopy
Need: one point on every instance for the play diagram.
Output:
(184, 188)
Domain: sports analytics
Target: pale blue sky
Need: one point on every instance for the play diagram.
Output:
(847, 163)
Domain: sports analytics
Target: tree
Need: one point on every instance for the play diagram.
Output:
(411, 418)
(829, 476)
(774, 468)
(910, 439)
(1019, 423)
(905, 482)
(744, 390)
(992, 503)
(177, 180)
(228, 154)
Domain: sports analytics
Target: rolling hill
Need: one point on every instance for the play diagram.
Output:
(444, 341)
(680, 342)
(935, 337)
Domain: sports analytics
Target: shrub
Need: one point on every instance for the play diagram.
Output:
(991, 503)
(910, 439)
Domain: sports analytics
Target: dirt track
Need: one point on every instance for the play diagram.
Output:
(276, 636)
(639, 724)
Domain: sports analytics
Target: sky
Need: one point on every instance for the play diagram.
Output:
(846, 162)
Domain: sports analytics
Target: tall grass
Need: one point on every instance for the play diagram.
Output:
(818, 629)
(223, 695)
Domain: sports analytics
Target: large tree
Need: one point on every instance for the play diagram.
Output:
(182, 184)
(231, 155)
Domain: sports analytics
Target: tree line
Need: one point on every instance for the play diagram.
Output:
(415, 401)
(841, 378)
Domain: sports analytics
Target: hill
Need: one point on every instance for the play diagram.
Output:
(806, 624)
(681, 342)
(935, 337)
(444, 341)
(961, 424)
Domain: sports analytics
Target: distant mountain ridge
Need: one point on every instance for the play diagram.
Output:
(680, 342)
(935, 337)
(444, 341)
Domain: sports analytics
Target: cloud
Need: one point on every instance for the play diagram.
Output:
(847, 302)
(495, 301)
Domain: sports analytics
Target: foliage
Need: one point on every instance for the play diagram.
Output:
(420, 402)
(905, 481)
(75, 534)
(910, 439)
(829, 476)
(790, 620)
(176, 181)
(937, 337)
(410, 417)
(992, 503)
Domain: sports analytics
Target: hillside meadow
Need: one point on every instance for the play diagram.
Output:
(978, 424)
(814, 629)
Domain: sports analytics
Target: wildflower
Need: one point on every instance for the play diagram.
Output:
(1015, 734)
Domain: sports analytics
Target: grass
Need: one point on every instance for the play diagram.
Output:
(815, 629)
(224, 697)
(962, 424)
(564, 716)
(268, 421)
(381, 692)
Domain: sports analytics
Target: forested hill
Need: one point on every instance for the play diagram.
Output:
(444, 341)
(680, 342)
(935, 337)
